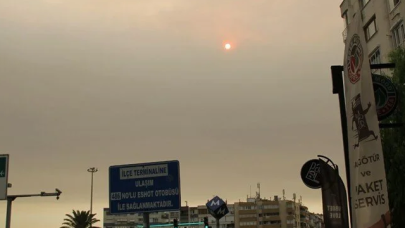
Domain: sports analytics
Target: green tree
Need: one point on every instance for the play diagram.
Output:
(79, 219)
(393, 142)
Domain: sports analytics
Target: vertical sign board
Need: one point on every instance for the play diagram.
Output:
(334, 198)
(3, 176)
(368, 182)
(147, 187)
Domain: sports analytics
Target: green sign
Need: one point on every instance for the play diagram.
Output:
(3, 166)
(385, 93)
(3, 176)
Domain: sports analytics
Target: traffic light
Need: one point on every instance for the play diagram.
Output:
(205, 222)
(175, 223)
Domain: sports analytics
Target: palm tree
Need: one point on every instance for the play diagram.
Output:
(79, 219)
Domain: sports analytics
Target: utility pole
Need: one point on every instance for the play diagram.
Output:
(92, 171)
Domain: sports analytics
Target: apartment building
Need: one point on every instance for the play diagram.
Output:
(316, 220)
(134, 219)
(383, 25)
(254, 213)
(276, 213)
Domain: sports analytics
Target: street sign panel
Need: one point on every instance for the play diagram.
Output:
(3, 176)
(147, 187)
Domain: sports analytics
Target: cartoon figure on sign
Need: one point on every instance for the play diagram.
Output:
(359, 119)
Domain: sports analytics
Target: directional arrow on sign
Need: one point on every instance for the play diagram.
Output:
(3, 168)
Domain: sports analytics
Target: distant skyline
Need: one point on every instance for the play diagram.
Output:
(97, 83)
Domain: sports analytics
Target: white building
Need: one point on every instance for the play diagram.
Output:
(382, 23)
(185, 215)
(134, 219)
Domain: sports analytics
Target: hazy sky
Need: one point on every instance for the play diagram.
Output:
(106, 82)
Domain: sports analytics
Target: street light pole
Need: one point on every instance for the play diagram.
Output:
(11, 198)
(92, 171)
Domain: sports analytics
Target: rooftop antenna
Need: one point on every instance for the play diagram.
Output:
(258, 187)
(300, 199)
(294, 197)
(250, 191)
(283, 194)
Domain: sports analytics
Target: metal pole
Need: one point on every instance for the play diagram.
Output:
(92, 171)
(11, 198)
(91, 197)
(9, 204)
(188, 212)
(338, 87)
(217, 223)
(146, 220)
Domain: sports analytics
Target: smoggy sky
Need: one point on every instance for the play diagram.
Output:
(99, 82)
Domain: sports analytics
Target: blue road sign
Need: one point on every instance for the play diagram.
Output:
(147, 187)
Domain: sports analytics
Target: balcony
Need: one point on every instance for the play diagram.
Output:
(271, 218)
(269, 210)
(272, 226)
(244, 212)
(275, 224)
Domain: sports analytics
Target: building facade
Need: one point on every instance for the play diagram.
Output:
(135, 219)
(383, 25)
(254, 213)
(276, 213)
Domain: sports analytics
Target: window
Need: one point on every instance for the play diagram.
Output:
(247, 223)
(393, 3)
(375, 57)
(291, 221)
(248, 216)
(398, 35)
(271, 206)
(370, 29)
(270, 214)
(247, 208)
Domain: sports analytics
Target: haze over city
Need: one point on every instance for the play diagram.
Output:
(97, 83)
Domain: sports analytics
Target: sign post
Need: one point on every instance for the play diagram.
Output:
(145, 188)
(317, 173)
(4, 158)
